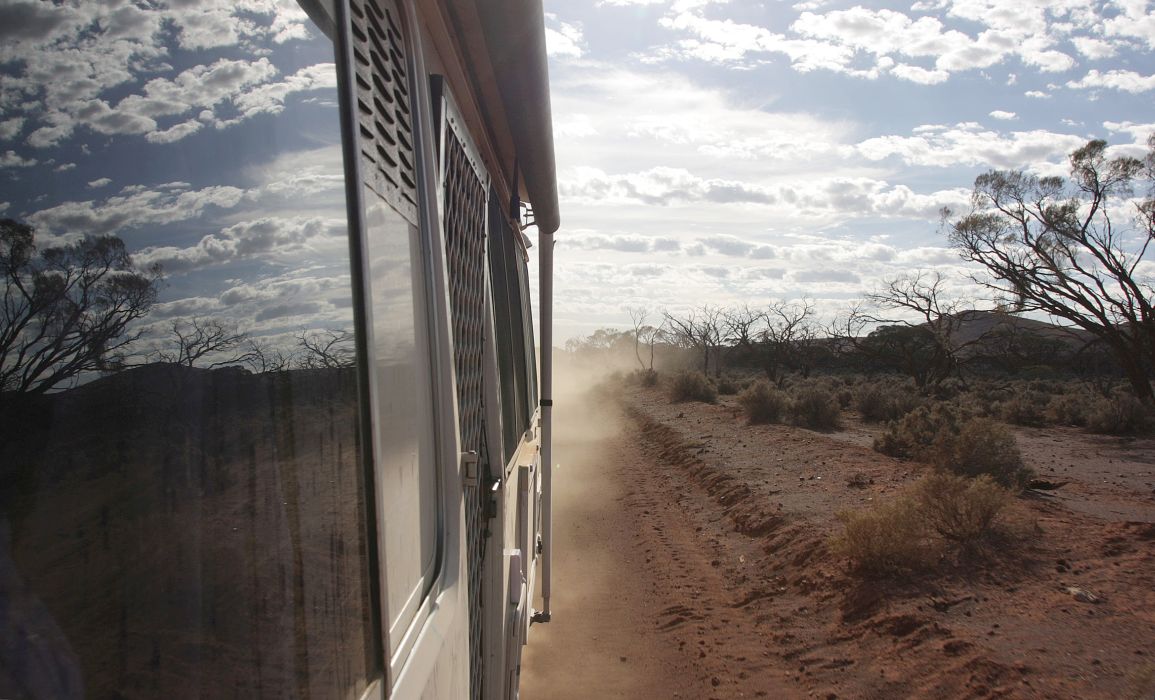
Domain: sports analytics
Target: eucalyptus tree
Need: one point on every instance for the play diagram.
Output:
(1072, 248)
(67, 309)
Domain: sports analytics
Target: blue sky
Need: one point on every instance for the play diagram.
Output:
(708, 152)
(741, 152)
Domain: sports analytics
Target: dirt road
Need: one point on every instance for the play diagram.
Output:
(603, 642)
(693, 561)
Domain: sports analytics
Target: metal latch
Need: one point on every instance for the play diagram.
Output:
(469, 463)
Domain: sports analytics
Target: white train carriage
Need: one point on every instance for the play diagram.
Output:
(275, 421)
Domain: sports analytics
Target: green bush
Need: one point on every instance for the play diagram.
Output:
(816, 409)
(1121, 414)
(982, 447)
(962, 511)
(692, 386)
(763, 403)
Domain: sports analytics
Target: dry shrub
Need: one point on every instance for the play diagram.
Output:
(982, 447)
(887, 539)
(728, 386)
(962, 511)
(940, 514)
(816, 408)
(1025, 408)
(1121, 414)
(649, 378)
(915, 435)
(884, 401)
(692, 386)
(1069, 409)
(949, 388)
(643, 377)
(763, 403)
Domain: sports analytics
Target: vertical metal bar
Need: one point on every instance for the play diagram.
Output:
(545, 349)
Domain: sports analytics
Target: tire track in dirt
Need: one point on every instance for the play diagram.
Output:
(791, 610)
(816, 631)
(707, 553)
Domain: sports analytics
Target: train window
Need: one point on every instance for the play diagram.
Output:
(400, 368)
(506, 273)
(183, 506)
(406, 456)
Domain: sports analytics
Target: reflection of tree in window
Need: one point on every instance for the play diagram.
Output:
(67, 309)
(181, 478)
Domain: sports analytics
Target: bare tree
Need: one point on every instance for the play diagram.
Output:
(742, 326)
(702, 329)
(929, 343)
(643, 333)
(326, 349)
(68, 309)
(1055, 246)
(789, 338)
(781, 337)
(263, 357)
(195, 339)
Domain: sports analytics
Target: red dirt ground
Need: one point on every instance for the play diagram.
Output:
(693, 562)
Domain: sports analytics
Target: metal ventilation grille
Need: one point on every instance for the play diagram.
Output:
(464, 225)
(383, 104)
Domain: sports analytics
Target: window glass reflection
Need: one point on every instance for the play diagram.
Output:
(182, 508)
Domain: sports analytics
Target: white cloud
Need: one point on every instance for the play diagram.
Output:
(563, 39)
(1138, 131)
(969, 144)
(162, 204)
(4, 206)
(1094, 49)
(1037, 94)
(64, 167)
(247, 239)
(175, 132)
(1004, 115)
(99, 182)
(1135, 21)
(1125, 80)
(922, 76)
(11, 159)
(824, 198)
(270, 98)
(10, 128)
(73, 55)
(855, 41)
